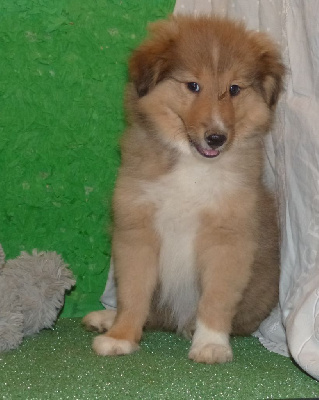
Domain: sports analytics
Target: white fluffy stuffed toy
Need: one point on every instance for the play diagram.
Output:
(32, 289)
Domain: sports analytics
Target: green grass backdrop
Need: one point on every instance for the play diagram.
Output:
(63, 69)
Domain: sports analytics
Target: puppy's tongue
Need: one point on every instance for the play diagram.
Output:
(209, 153)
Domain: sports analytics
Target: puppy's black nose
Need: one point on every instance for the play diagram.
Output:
(215, 140)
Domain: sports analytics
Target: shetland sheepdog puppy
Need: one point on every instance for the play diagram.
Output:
(195, 240)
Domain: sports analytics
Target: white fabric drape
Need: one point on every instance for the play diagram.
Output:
(292, 167)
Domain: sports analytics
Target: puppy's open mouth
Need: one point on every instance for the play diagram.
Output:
(205, 152)
(208, 153)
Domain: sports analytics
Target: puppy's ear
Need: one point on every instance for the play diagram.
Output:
(151, 62)
(271, 70)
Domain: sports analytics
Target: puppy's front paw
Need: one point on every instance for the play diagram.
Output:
(210, 346)
(99, 321)
(211, 354)
(107, 346)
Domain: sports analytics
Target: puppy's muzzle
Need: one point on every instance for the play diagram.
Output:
(215, 140)
(211, 144)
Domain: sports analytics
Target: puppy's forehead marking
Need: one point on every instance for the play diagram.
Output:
(215, 55)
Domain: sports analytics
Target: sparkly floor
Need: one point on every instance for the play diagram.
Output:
(59, 364)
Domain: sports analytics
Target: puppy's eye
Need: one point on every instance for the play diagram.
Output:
(193, 87)
(234, 90)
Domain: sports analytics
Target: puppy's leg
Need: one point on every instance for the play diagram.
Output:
(224, 273)
(99, 321)
(135, 258)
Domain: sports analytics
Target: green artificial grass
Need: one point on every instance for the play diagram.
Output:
(63, 69)
(60, 364)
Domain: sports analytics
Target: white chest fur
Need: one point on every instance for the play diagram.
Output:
(179, 198)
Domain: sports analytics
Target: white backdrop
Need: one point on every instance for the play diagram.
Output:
(292, 167)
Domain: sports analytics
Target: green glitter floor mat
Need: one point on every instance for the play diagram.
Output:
(59, 364)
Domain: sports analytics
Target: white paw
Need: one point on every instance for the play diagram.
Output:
(210, 346)
(99, 321)
(108, 346)
(211, 354)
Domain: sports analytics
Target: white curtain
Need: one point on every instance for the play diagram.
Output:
(292, 167)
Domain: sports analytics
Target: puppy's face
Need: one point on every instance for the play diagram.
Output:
(205, 84)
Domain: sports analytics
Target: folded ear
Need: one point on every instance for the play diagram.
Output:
(271, 70)
(272, 77)
(152, 61)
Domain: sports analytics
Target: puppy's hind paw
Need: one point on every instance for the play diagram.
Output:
(211, 354)
(99, 321)
(107, 346)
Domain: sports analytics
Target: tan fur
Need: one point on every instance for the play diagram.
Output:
(195, 242)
